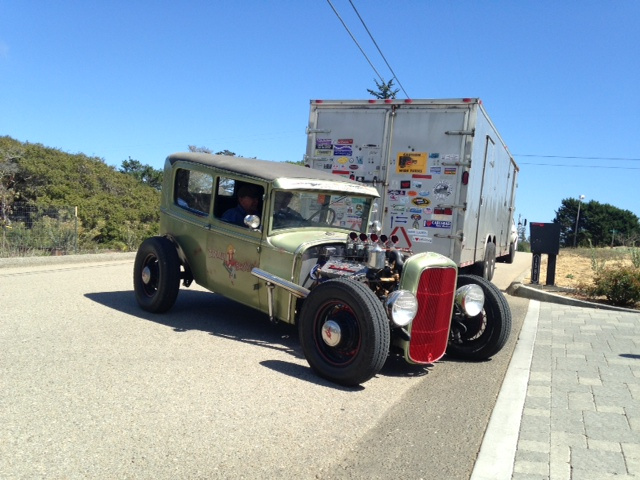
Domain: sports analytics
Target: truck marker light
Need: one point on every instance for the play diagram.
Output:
(408, 100)
(465, 178)
(372, 101)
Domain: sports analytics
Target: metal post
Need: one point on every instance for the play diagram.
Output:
(551, 269)
(536, 259)
(75, 214)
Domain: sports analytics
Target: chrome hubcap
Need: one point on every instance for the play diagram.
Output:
(331, 333)
(146, 275)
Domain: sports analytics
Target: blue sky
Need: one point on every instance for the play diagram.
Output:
(144, 79)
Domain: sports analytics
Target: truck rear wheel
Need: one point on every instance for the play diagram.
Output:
(487, 267)
(510, 257)
(484, 335)
(156, 275)
(344, 332)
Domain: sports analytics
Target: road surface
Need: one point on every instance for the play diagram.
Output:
(93, 387)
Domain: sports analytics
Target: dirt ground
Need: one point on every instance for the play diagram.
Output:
(575, 268)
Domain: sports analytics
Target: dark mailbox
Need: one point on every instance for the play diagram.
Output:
(545, 238)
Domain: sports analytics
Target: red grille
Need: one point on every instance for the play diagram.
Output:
(430, 328)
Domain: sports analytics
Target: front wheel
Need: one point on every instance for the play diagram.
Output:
(156, 275)
(484, 335)
(344, 332)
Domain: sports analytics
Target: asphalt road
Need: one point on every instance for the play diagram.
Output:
(93, 387)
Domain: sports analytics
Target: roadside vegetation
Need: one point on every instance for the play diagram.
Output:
(616, 276)
(602, 275)
(54, 203)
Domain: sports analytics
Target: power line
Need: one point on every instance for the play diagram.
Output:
(355, 41)
(577, 166)
(379, 51)
(579, 158)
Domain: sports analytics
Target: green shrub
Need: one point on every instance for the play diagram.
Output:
(620, 285)
(635, 257)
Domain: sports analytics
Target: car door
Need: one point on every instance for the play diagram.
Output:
(233, 250)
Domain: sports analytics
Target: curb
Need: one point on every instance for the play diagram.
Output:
(517, 289)
(65, 259)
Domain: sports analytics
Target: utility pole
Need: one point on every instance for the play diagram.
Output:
(575, 233)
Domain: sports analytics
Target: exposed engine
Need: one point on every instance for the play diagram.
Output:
(371, 259)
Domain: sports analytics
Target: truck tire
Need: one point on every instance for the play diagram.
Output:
(156, 275)
(484, 335)
(487, 267)
(510, 257)
(344, 332)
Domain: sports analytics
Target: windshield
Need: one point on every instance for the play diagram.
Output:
(320, 209)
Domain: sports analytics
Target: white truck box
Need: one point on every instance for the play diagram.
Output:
(446, 178)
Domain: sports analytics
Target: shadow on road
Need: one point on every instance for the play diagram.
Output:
(211, 313)
(224, 318)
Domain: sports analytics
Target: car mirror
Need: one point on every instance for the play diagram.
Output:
(252, 221)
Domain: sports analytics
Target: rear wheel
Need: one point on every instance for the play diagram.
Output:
(156, 275)
(482, 336)
(344, 332)
(510, 257)
(487, 267)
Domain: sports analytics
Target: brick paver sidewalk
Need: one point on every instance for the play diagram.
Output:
(581, 416)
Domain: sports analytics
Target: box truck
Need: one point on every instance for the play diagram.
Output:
(446, 179)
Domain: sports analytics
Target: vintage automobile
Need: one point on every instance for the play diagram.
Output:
(306, 254)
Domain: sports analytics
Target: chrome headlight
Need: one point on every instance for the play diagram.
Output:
(402, 306)
(470, 299)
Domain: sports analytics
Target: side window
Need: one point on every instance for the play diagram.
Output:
(193, 191)
(235, 199)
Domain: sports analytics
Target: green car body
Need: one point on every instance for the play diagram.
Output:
(307, 242)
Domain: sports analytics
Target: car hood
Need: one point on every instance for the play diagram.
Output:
(291, 241)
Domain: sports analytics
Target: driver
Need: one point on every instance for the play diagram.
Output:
(283, 215)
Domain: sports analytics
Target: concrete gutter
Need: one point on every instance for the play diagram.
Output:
(13, 262)
(518, 289)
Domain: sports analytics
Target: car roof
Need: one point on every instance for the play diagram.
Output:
(264, 169)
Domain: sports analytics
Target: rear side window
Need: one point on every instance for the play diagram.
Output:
(193, 191)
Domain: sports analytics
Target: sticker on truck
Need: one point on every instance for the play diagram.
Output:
(411, 162)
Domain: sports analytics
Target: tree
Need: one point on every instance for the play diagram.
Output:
(599, 224)
(226, 152)
(9, 155)
(193, 148)
(143, 173)
(384, 90)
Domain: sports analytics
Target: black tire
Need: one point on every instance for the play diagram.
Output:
(156, 275)
(485, 334)
(512, 253)
(510, 257)
(360, 330)
(487, 267)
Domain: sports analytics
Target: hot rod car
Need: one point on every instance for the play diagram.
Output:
(308, 255)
